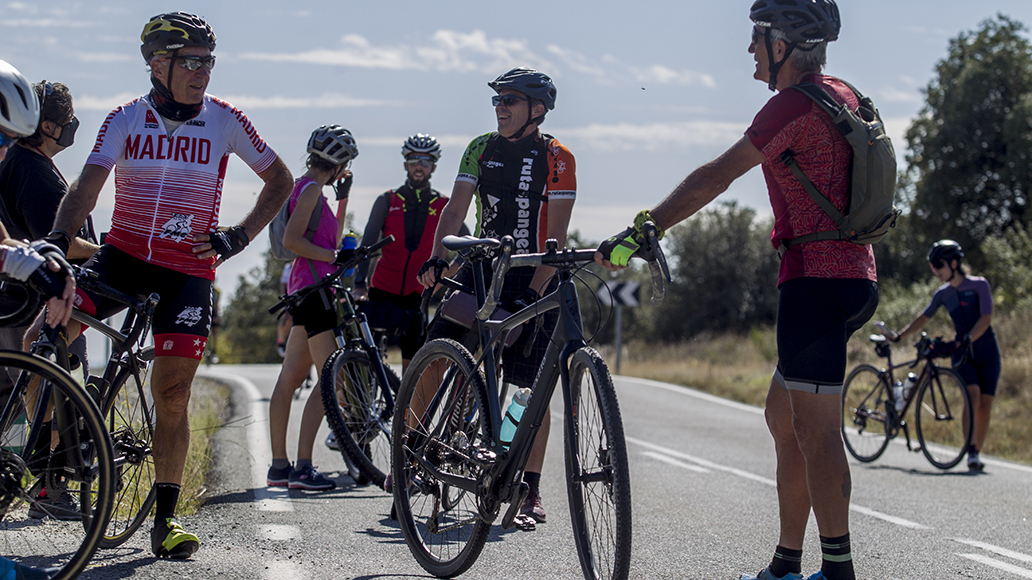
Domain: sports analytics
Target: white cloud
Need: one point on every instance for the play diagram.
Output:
(651, 137)
(106, 57)
(101, 103)
(47, 23)
(658, 73)
(323, 101)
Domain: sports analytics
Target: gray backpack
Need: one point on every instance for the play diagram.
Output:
(278, 226)
(870, 213)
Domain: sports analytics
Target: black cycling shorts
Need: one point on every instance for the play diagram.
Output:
(982, 367)
(816, 317)
(517, 369)
(317, 312)
(182, 319)
(396, 314)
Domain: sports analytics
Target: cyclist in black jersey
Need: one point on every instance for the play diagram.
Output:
(976, 354)
(525, 186)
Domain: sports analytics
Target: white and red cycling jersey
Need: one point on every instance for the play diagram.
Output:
(169, 188)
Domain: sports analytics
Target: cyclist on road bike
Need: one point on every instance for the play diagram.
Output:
(828, 288)
(410, 213)
(525, 185)
(976, 354)
(330, 151)
(169, 149)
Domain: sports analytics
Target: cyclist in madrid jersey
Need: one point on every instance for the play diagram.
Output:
(976, 354)
(170, 149)
(828, 289)
(524, 184)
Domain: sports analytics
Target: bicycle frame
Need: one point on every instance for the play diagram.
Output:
(367, 343)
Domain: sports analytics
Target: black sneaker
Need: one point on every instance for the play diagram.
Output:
(168, 540)
(63, 507)
(532, 507)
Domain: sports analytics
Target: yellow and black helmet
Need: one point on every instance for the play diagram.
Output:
(174, 30)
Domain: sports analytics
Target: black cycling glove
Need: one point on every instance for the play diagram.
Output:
(343, 256)
(228, 242)
(342, 189)
(45, 281)
(436, 264)
(527, 297)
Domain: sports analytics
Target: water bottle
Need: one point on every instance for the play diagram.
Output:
(17, 435)
(908, 385)
(897, 395)
(513, 415)
(349, 242)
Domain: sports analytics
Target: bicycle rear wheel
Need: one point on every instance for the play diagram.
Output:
(129, 414)
(67, 452)
(865, 422)
(445, 539)
(356, 410)
(598, 480)
(944, 418)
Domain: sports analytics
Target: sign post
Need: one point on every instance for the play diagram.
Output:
(619, 294)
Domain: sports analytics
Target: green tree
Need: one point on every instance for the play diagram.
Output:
(971, 144)
(248, 331)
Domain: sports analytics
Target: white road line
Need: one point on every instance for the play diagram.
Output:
(674, 462)
(996, 549)
(752, 476)
(278, 532)
(999, 564)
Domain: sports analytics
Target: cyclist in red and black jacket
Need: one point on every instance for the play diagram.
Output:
(409, 213)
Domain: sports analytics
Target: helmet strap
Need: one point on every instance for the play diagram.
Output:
(165, 103)
(775, 66)
(530, 121)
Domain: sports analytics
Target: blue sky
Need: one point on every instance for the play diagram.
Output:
(647, 90)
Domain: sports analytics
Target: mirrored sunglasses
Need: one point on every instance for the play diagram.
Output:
(192, 63)
(507, 100)
(420, 161)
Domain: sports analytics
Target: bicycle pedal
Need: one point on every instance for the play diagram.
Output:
(515, 503)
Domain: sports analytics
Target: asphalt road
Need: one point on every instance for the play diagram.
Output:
(702, 473)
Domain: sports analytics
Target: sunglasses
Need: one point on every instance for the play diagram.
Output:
(758, 33)
(192, 63)
(937, 264)
(507, 100)
(420, 161)
(6, 141)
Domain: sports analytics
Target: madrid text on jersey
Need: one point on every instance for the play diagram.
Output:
(185, 149)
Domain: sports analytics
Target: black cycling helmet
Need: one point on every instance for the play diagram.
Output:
(534, 84)
(333, 143)
(171, 31)
(945, 251)
(421, 143)
(805, 22)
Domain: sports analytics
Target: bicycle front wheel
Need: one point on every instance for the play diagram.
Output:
(944, 418)
(443, 529)
(865, 422)
(55, 468)
(598, 480)
(356, 409)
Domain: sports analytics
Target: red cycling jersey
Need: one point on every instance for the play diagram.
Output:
(169, 187)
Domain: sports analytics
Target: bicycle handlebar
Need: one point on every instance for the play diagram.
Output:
(362, 254)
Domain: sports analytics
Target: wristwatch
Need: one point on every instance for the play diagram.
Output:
(60, 238)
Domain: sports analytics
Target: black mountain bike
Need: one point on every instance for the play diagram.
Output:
(52, 438)
(122, 395)
(357, 386)
(873, 413)
(456, 472)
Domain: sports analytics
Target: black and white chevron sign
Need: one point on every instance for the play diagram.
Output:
(623, 294)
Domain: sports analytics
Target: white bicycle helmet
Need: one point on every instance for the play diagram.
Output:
(421, 143)
(333, 143)
(19, 107)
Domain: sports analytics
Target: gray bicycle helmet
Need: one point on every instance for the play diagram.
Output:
(534, 84)
(19, 106)
(333, 143)
(421, 143)
(804, 22)
(946, 251)
(171, 31)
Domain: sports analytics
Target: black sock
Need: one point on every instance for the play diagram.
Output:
(533, 480)
(785, 561)
(166, 498)
(836, 558)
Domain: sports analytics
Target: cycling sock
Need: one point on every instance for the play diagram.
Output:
(836, 558)
(302, 463)
(280, 463)
(533, 480)
(786, 561)
(166, 497)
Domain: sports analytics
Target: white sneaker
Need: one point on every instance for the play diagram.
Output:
(331, 441)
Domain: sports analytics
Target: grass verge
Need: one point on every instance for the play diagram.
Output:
(208, 412)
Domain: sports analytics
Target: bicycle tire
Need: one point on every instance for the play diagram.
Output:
(944, 436)
(865, 419)
(361, 424)
(597, 476)
(58, 541)
(445, 543)
(129, 416)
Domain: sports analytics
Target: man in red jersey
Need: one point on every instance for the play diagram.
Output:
(169, 150)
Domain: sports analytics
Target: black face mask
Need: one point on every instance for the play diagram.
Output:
(67, 136)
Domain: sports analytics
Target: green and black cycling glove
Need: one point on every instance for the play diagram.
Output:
(619, 248)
